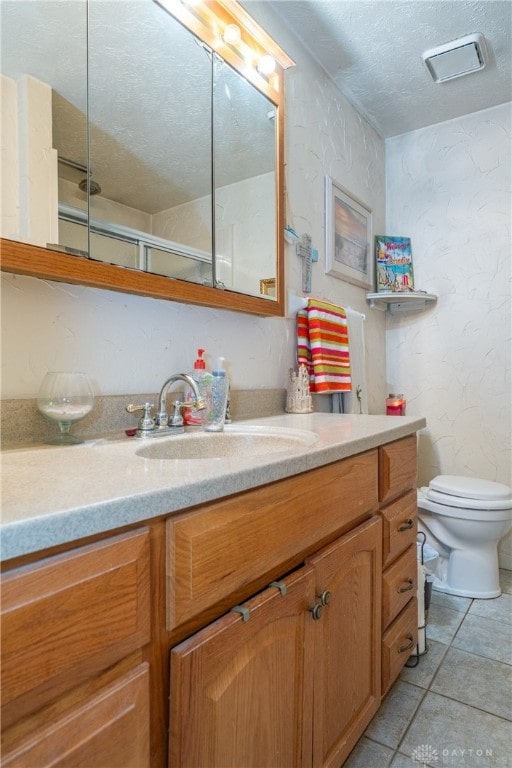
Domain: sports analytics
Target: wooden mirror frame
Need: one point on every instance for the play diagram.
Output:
(206, 21)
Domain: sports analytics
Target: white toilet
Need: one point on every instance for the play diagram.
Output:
(464, 518)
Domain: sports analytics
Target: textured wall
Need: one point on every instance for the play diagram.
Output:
(448, 188)
(130, 344)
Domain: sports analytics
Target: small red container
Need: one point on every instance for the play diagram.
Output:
(395, 405)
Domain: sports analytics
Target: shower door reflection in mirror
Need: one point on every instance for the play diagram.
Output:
(244, 153)
(150, 199)
(44, 101)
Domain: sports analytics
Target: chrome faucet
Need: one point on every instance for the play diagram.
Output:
(161, 424)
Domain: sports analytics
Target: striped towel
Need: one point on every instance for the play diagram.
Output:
(322, 345)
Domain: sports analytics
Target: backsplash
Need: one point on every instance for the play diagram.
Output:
(22, 424)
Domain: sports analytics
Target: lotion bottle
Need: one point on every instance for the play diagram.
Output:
(217, 398)
(203, 380)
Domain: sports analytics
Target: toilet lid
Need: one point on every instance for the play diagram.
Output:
(455, 489)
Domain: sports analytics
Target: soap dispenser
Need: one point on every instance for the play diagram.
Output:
(203, 380)
(217, 398)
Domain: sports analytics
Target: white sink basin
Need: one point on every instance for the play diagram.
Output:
(233, 442)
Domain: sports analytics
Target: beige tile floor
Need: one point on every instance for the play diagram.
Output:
(455, 707)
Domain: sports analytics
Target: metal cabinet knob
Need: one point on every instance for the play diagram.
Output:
(316, 611)
(325, 597)
(406, 526)
(404, 648)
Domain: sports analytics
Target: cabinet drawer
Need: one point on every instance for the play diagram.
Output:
(399, 527)
(110, 729)
(398, 643)
(397, 467)
(71, 615)
(399, 584)
(224, 551)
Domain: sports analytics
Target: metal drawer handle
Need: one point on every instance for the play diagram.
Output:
(280, 585)
(410, 585)
(316, 611)
(404, 648)
(407, 525)
(243, 611)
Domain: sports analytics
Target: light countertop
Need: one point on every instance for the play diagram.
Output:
(56, 495)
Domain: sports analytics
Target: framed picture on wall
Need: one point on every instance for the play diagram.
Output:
(393, 257)
(348, 236)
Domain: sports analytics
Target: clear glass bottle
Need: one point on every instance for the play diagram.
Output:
(216, 399)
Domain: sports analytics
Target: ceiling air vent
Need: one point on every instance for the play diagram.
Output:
(455, 59)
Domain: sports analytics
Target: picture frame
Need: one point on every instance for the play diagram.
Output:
(348, 236)
(268, 286)
(393, 262)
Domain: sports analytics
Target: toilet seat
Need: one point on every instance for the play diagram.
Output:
(469, 493)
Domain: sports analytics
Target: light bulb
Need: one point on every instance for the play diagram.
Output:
(266, 65)
(232, 34)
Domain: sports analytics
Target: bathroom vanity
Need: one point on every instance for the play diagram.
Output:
(247, 612)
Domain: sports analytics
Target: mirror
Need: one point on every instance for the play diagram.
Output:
(150, 149)
(177, 166)
(44, 83)
(245, 182)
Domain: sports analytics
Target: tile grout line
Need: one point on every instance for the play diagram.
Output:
(428, 689)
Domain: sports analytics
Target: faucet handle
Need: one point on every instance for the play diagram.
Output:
(146, 422)
(198, 404)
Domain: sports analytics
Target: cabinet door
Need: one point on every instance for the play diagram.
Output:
(347, 642)
(111, 729)
(241, 690)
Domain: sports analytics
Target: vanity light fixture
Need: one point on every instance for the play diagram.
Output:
(266, 65)
(232, 34)
(455, 59)
(226, 27)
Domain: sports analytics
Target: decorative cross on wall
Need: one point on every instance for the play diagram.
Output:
(304, 251)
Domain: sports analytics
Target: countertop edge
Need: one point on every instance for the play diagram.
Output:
(37, 533)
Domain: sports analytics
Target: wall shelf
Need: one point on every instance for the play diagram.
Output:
(415, 301)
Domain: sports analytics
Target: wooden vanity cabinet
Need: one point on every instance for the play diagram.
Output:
(100, 640)
(292, 676)
(398, 500)
(75, 684)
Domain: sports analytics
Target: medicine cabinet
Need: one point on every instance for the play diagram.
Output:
(147, 156)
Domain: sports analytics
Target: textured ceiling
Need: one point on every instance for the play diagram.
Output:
(372, 50)
(158, 155)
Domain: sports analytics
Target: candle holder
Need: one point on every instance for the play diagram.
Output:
(298, 398)
(65, 398)
(395, 405)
